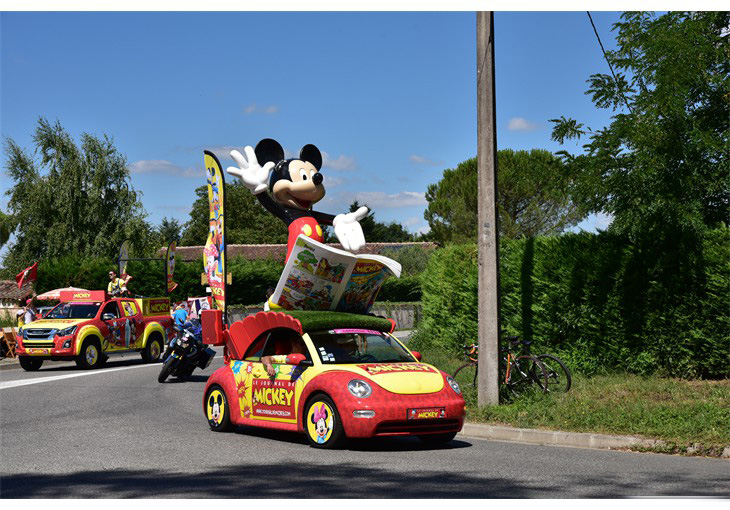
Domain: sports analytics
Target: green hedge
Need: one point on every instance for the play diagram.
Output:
(596, 300)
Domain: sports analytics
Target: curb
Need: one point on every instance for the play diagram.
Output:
(557, 438)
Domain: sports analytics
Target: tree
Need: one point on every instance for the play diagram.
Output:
(77, 199)
(247, 222)
(533, 198)
(661, 167)
(378, 232)
(5, 222)
(169, 230)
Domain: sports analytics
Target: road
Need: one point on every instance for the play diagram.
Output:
(117, 433)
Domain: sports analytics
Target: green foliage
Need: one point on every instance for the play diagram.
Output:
(169, 230)
(247, 222)
(533, 198)
(661, 169)
(251, 278)
(77, 199)
(405, 288)
(588, 298)
(413, 259)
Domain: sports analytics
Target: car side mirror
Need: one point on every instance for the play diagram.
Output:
(416, 355)
(107, 317)
(295, 359)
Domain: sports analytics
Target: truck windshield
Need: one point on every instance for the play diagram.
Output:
(73, 311)
(358, 346)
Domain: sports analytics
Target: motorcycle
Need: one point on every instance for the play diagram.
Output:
(185, 352)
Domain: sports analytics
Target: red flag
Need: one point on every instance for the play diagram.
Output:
(29, 274)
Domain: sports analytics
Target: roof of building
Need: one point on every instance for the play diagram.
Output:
(9, 290)
(278, 251)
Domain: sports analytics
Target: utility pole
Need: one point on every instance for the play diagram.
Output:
(488, 234)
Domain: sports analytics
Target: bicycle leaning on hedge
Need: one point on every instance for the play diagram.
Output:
(518, 373)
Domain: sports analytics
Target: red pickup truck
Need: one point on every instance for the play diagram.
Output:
(89, 326)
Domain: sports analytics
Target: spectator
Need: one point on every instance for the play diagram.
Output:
(118, 286)
(180, 316)
(29, 315)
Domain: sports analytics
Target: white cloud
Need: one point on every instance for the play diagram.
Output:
(254, 108)
(381, 199)
(341, 164)
(413, 220)
(420, 160)
(160, 166)
(521, 124)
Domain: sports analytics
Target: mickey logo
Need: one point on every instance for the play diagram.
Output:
(288, 188)
(215, 403)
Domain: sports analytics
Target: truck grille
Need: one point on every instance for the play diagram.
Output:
(38, 345)
(40, 334)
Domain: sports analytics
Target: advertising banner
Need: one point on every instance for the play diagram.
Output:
(123, 257)
(170, 259)
(214, 255)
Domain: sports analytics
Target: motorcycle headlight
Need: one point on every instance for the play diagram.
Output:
(454, 385)
(68, 331)
(359, 388)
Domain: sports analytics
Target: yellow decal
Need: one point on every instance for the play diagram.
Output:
(395, 367)
(274, 396)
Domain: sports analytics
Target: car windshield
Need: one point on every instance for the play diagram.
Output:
(73, 311)
(358, 346)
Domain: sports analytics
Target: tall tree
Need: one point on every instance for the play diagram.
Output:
(76, 199)
(661, 168)
(247, 222)
(169, 230)
(533, 198)
(379, 232)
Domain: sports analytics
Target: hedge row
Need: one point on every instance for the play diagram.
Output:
(596, 300)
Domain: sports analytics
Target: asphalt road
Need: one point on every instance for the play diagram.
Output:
(117, 433)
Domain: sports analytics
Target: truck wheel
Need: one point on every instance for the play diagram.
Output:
(151, 352)
(216, 409)
(90, 355)
(30, 364)
(322, 423)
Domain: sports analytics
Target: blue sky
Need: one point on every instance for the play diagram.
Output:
(390, 98)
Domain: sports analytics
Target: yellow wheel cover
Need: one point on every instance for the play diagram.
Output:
(216, 407)
(320, 422)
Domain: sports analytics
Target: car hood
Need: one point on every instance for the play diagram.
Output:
(53, 323)
(401, 378)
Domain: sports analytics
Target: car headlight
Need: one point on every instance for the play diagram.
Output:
(68, 331)
(454, 385)
(359, 388)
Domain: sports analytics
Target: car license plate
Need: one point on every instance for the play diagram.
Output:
(39, 351)
(426, 413)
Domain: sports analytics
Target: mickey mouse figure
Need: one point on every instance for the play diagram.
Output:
(295, 185)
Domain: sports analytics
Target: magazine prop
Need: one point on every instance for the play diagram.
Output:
(214, 254)
(288, 188)
(319, 277)
(170, 257)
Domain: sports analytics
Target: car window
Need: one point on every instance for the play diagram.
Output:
(74, 311)
(130, 308)
(358, 346)
(280, 342)
(256, 348)
(111, 308)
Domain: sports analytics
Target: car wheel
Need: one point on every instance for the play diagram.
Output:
(437, 439)
(322, 423)
(216, 409)
(90, 355)
(167, 368)
(151, 352)
(30, 364)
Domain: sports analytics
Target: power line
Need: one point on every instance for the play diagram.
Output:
(595, 31)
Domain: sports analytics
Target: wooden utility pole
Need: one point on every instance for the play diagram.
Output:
(488, 234)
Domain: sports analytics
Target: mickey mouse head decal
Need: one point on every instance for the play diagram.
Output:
(288, 188)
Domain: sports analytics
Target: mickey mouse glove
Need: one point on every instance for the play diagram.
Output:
(254, 176)
(348, 229)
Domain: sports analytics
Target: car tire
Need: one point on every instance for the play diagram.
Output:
(90, 355)
(151, 352)
(217, 411)
(437, 439)
(328, 434)
(30, 364)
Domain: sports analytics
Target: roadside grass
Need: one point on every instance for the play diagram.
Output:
(689, 416)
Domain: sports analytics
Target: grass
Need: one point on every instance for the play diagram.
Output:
(689, 416)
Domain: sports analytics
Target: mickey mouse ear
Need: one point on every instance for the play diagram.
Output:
(268, 150)
(311, 153)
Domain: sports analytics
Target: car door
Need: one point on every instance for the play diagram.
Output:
(114, 327)
(133, 325)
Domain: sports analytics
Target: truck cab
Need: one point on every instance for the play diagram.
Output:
(89, 326)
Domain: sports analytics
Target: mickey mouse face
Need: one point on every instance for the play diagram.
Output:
(294, 183)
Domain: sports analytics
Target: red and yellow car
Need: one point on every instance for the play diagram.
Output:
(354, 380)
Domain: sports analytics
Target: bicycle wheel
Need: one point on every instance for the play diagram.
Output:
(558, 375)
(466, 375)
(527, 373)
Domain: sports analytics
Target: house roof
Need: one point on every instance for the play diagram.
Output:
(278, 251)
(9, 290)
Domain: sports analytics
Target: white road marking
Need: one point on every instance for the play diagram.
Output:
(25, 382)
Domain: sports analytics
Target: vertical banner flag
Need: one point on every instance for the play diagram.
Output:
(29, 274)
(123, 257)
(170, 258)
(214, 255)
